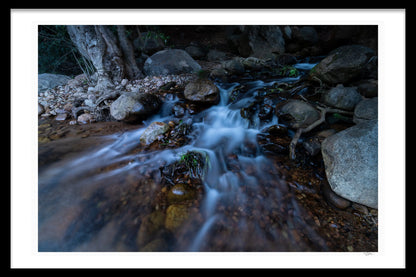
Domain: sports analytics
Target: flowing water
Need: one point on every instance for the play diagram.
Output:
(109, 198)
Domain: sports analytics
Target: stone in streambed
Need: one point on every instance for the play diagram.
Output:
(152, 132)
(367, 109)
(298, 114)
(181, 192)
(202, 91)
(176, 215)
(150, 225)
(132, 107)
(351, 163)
(345, 98)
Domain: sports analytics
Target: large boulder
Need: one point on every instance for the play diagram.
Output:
(351, 163)
(202, 90)
(131, 107)
(48, 81)
(170, 62)
(260, 41)
(345, 64)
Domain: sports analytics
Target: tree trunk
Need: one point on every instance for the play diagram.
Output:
(99, 45)
(132, 70)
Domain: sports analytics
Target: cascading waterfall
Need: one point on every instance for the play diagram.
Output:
(75, 197)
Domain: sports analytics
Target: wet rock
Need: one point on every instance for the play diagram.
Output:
(344, 64)
(351, 163)
(266, 112)
(152, 132)
(180, 193)
(176, 215)
(170, 61)
(202, 90)
(132, 107)
(367, 109)
(344, 98)
(298, 114)
(179, 134)
(179, 109)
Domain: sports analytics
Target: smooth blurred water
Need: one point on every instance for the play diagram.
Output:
(94, 202)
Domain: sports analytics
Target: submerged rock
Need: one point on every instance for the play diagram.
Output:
(180, 193)
(351, 163)
(176, 214)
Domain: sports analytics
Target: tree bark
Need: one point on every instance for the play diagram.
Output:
(113, 61)
(132, 70)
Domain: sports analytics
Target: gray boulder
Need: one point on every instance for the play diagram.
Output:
(170, 62)
(131, 107)
(202, 90)
(260, 41)
(366, 109)
(265, 41)
(48, 81)
(351, 163)
(345, 98)
(345, 64)
(298, 114)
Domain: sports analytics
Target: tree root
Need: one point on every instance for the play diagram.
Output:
(110, 95)
(300, 131)
(96, 109)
